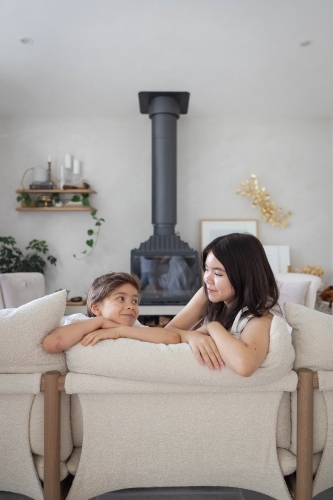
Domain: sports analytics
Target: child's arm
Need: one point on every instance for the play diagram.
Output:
(152, 334)
(246, 354)
(65, 336)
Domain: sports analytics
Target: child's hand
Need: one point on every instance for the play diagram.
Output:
(93, 337)
(205, 350)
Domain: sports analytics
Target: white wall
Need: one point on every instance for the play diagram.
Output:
(292, 159)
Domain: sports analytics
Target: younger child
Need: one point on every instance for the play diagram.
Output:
(113, 308)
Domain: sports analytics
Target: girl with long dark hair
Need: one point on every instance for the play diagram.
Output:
(235, 306)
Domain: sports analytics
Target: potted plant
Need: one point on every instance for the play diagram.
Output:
(12, 259)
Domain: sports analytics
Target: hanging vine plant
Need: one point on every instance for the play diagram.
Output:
(93, 234)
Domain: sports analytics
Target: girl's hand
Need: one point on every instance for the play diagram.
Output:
(205, 350)
(105, 333)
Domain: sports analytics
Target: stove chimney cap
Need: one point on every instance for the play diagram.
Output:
(182, 98)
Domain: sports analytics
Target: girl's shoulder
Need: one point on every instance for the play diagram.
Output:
(242, 319)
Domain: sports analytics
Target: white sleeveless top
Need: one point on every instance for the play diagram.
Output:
(239, 324)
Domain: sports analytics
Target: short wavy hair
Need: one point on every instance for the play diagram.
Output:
(103, 286)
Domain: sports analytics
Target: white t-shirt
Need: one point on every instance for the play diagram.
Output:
(76, 318)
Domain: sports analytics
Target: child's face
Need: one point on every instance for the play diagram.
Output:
(121, 306)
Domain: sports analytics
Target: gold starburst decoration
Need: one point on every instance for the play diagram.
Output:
(274, 216)
(311, 269)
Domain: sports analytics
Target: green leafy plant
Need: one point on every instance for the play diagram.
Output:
(25, 198)
(84, 198)
(12, 259)
(56, 197)
(94, 234)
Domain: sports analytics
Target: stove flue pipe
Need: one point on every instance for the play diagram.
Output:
(164, 113)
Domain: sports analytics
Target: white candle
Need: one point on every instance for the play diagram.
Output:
(49, 159)
(68, 161)
(76, 166)
(62, 177)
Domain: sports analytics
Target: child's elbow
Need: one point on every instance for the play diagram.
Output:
(52, 344)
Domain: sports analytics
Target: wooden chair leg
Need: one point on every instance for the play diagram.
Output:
(51, 436)
(304, 459)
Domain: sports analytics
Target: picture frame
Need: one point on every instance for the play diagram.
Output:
(212, 228)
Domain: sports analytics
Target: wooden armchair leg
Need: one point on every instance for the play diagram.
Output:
(51, 435)
(304, 459)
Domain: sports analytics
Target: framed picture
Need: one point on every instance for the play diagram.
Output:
(212, 228)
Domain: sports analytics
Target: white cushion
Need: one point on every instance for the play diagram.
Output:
(311, 294)
(20, 288)
(22, 331)
(134, 360)
(39, 464)
(293, 292)
(312, 336)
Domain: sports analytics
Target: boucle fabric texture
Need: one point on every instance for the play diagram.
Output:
(74, 460)
(76, 383)
(22, 331)
(312, 336)
(286, 459)
(17, 470)
(36, 428)
(21, 288)
(39, 464)
(76, 420)
(176, 364)
(179, 439)
(17, 383)
(93, 384)
(325, 380)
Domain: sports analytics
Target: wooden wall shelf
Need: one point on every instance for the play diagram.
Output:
(64, 208)
(60, 191)
(56, 209)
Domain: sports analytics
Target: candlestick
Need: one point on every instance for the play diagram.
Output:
(49, 169)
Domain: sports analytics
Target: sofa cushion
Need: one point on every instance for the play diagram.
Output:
(22, 331)
(293, 292)
(135, 360)
(312, 336)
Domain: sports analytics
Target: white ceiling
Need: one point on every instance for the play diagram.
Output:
(235, 57)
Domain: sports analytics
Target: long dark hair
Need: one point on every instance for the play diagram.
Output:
(244, 260)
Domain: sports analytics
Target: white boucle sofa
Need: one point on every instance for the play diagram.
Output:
(147, 415)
